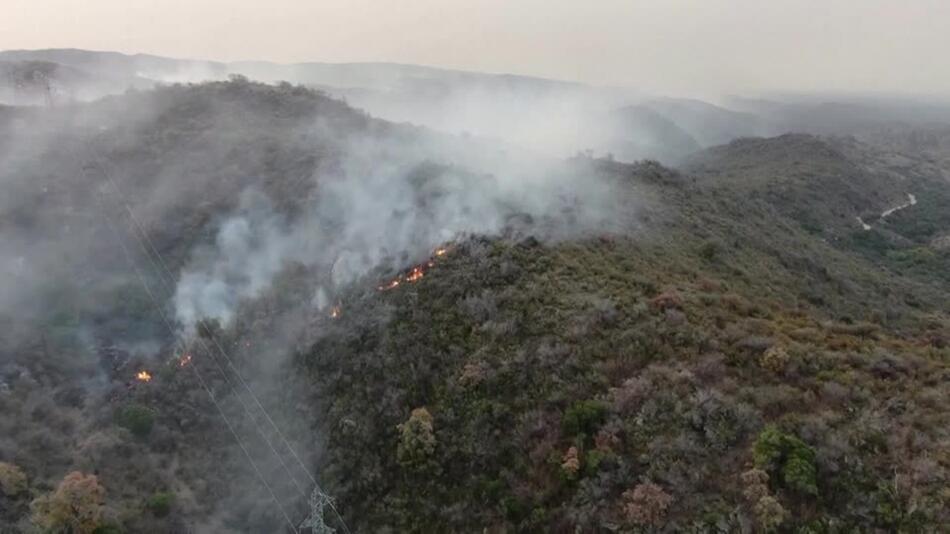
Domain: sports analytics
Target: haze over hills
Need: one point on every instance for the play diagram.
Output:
(552, 117)
(388, 298)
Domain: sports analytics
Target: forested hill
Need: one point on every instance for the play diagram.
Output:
(727, 367)
(451, 336)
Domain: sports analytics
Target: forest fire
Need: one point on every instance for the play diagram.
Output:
(391, 285)
(184, 360)
(335, 311)
(143, 376)
(416, 273)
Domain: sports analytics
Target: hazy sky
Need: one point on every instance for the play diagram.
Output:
(678, 46)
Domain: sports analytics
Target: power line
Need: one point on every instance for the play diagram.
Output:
(157, 305)
(158, 263)
(204, 346)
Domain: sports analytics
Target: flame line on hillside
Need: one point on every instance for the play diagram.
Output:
(416, 272)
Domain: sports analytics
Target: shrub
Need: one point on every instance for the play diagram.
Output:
(789, 457)
(416, 440)
(606, 440)
(627, 398)
(766, 509)
(710, 249)
(473, 374)
(755, 484)
(896, 512)
(571, 463)
(775, 358)
(859, 329)
(769, 513)
(646, 504)
(75, 506)
(756, 344)
(584, 417)
(738, 304)
(160, 503)
(799, 472)
(12, 480)
(592, 461)
(138, 419)
(667, 300)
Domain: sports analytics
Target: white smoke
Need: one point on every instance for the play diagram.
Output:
(388, 204)
(249, 250)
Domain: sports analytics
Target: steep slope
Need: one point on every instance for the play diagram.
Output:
(126, 220)
(805, 177)
(849, 193)
(587, 346)
(79, 322)
(664, 380)
(930, 143)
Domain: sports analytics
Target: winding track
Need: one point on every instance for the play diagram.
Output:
(911, 200)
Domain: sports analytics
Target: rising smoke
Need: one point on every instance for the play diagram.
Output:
(234, 184)
(386, 203)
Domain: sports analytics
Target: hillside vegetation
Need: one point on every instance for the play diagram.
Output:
(723, 370)
(730, 351)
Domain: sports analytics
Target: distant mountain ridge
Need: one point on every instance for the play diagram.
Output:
(554, 117)
(342, 75)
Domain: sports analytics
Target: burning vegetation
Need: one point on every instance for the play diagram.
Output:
(415, 273)
(143, 376)
(393, 284)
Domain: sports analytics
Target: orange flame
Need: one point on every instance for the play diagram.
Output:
(336, 311)
(416, 273)
(143, 376)
(184, 360)
(391, 285)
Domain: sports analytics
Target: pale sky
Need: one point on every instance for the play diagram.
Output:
(673, 46)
